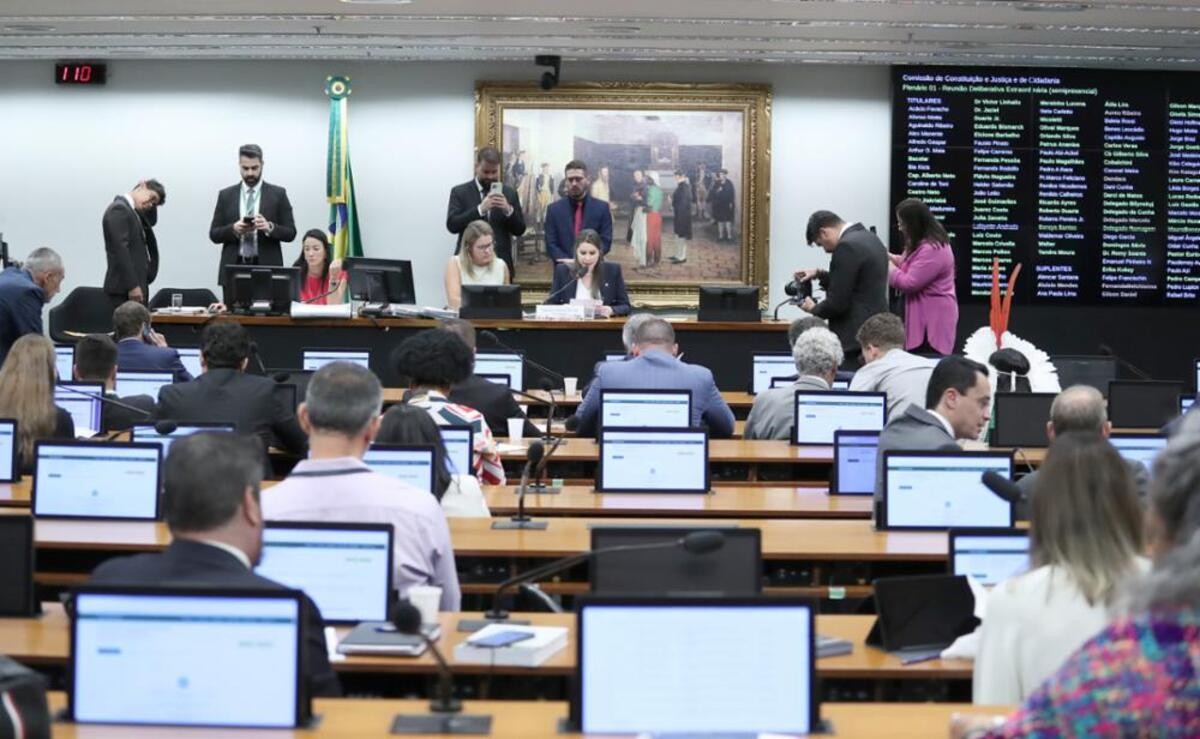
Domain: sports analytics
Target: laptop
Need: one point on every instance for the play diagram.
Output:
(187, 657)
(502, 363)
(854, 467)
(1139, 447)
(989, 555)
(141, 382)
(315, 359)
(734, 569)
(498, 379)
(818, 413)
(346, 568)
(1142, 404)
(190, 357)
(942, 490)
(145, 432)
(652, 460)
(718, 685)
(1185, 403)
(10, 470)
(411, 463)
(64, 361)
(615, 356)
(767, 366)
(642, 408)
(1020, 419)
(82, 401)
(784, 381)
(16, 567)
(460, 449)
(96, 479)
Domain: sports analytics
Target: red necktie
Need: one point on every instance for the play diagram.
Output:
(578, 217)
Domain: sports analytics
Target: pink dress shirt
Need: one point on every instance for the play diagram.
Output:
(926, 277)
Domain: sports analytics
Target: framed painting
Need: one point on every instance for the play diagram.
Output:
(685, 169)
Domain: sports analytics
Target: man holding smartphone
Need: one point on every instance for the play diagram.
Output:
(251, 218)
(486, 198)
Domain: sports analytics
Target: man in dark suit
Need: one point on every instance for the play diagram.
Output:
(251, 218)
(96, 361)
(141, 348)
(681, 207)
(566, 217)
(491, 399)
(132, 264)
(211, 497)
(474, 200)
(24, 290)
(225, 393)
(855, 283)
(722, 203)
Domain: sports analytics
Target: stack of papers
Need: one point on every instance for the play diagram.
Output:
(312, 310)
(545, 643)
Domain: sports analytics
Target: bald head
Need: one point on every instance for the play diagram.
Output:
(1078, 408)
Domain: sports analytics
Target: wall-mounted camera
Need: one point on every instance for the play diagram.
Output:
(549, 79)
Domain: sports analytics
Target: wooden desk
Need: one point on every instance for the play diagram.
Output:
(760, 451)
(16, 494)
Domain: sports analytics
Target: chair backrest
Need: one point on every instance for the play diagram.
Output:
(193, 297)
(86, 310)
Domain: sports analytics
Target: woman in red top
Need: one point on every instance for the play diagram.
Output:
(322, 283)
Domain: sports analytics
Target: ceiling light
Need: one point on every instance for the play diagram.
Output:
(28, 28)
(1052, 7)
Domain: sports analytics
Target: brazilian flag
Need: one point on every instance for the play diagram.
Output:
(344, 232)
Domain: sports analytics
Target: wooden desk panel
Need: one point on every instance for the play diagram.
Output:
(16, 494)
(719, 450)
(725, 502)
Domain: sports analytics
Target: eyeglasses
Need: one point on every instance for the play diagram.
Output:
(484, 247)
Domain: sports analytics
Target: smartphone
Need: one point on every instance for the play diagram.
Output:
(497, 189)
(147, 333)
(248, 220)
(501, 639)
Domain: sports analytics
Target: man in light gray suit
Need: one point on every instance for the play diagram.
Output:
(887, 368)
(655, 367)
(817, 354)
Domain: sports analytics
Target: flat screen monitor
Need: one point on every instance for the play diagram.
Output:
(615, 356)
(409, 463)
(734, 569)
(146, 432)
(64, 361)
(854, 462)
(1136, 447)
(1142, 404)
(1185, 403)
(380, 280)
(17, 566)
(729, 303)
(943, 490)
(502, 363)
(1095, 371)
(259, 289)
(785, 381)
(460, 448)
(73, 397)
(639, 408)
(346, 568)
(190, 357)
(653, 460)
(819, 413)
(142, 382)
(490, 301)
(840, 385)
(187, 657)
(96, 479)
(1020, 419)
(314, 359)
(10, 470)
(715, 685)
(990, 556)
(498, 379)
(766, 366)
(1196, 374)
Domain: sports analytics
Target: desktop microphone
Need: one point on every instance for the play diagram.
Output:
(333, 288)
(495, 340)
(262, 368)
(445, 708)
(522, 521)
(538, 486)
(548, 387)
(1107, 351)
(577, 274)
(1003, 487)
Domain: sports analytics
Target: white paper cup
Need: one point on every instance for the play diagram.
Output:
(516, 428)
(570, 385)
(427, 599)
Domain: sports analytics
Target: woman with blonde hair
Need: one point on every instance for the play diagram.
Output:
(27, 380)
(475, 264)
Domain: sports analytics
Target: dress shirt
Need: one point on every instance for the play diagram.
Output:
(945, 424)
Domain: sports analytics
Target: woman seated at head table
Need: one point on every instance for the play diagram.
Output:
(27, 382)
(475, 264)
(1140, 676)
(594, 279)
(321, 280)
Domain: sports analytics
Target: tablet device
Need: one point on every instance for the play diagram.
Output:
(498, 379)
(653, 460)
(411, 463)
(645, 408)
(921, 612)
(64, 361)
(502, 363)
(1185, 403)
(16, 567)
(460, 449)
(989, 555)
(10, 470)
(818, 413)
(96, 479)
(1139, 447)
(942, 490)
(315, 359)
(854, 462)
(82, 401)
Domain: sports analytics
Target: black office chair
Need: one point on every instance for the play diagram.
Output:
(193, 297)
(86, 310)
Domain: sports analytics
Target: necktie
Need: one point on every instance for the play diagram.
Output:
(578, 216)
(249, 245)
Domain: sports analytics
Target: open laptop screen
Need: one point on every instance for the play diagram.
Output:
(345, 568)
(64, 361)
(989, 556)
(147, 433)
(819, 413)
(131, 382)
(715, 685)
(190, 357)
(854, 468)
(1139, 447)
(191, 658)
(315, 359)
(1021, 419)
(767, 366)
(96, 479)
(9, 470)
(639, 408)
(412, 464)
(459, 442)
(1140, 404)
(84, 410)
(653, 460)
(502, 363)
(941, 490)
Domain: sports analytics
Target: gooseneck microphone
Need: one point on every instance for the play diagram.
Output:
(576, 275)
(1003, 487)
(520, 520)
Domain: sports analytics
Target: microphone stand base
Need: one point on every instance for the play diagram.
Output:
(516, 523)
(442, 723)
(539, 488)
(471, 625)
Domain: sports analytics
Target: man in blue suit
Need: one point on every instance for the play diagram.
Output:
(566, 217)
(655, 367)
(140, 348)
(24, 291)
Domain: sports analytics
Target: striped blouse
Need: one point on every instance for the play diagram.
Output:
(488, 467)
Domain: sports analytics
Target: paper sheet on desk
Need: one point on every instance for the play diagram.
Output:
(510, 448)
(967, 645)
(311, 310)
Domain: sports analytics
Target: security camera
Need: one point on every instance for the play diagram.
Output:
(549, 80)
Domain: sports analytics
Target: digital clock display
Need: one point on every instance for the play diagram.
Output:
(80, 73)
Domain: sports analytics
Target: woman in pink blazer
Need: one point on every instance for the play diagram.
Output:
(925, 274)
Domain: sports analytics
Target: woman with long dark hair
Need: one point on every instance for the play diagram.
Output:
(925, 274)
(321, 276)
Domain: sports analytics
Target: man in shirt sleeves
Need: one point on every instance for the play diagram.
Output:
(131, 263)
(251, 218)
(566, 217)
(474, 201)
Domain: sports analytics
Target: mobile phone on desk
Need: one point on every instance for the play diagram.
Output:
(501, 639)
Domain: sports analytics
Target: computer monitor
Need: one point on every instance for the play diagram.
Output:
(786, 381)
(490, 301)
(734, 569)
(187, 656)
(641, 408)
(729, 303)
(653, 460)
(460, 449)
(380, 280)
(1142, 404)
(10, 470)
(346, 568)
(1021, 418)
(615, 356)
(1139, 447)
(502, 363)
(767, 366)
(854, 462)
(990, 556)
(314, 359)
(1196, 374)
(840, 385)
(82, 401)
(1185, 403)
(64, 361)
(716, 685)
(818, 413)
(17, 566)
(96, 479)
(942, 490)
(147, 433)
(411, 463)
(190, 357)
(259, 289)
(1096, 371)
(142, 382)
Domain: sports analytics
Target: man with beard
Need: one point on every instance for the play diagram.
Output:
(565, 218)
(251, 218)
(476, 200)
